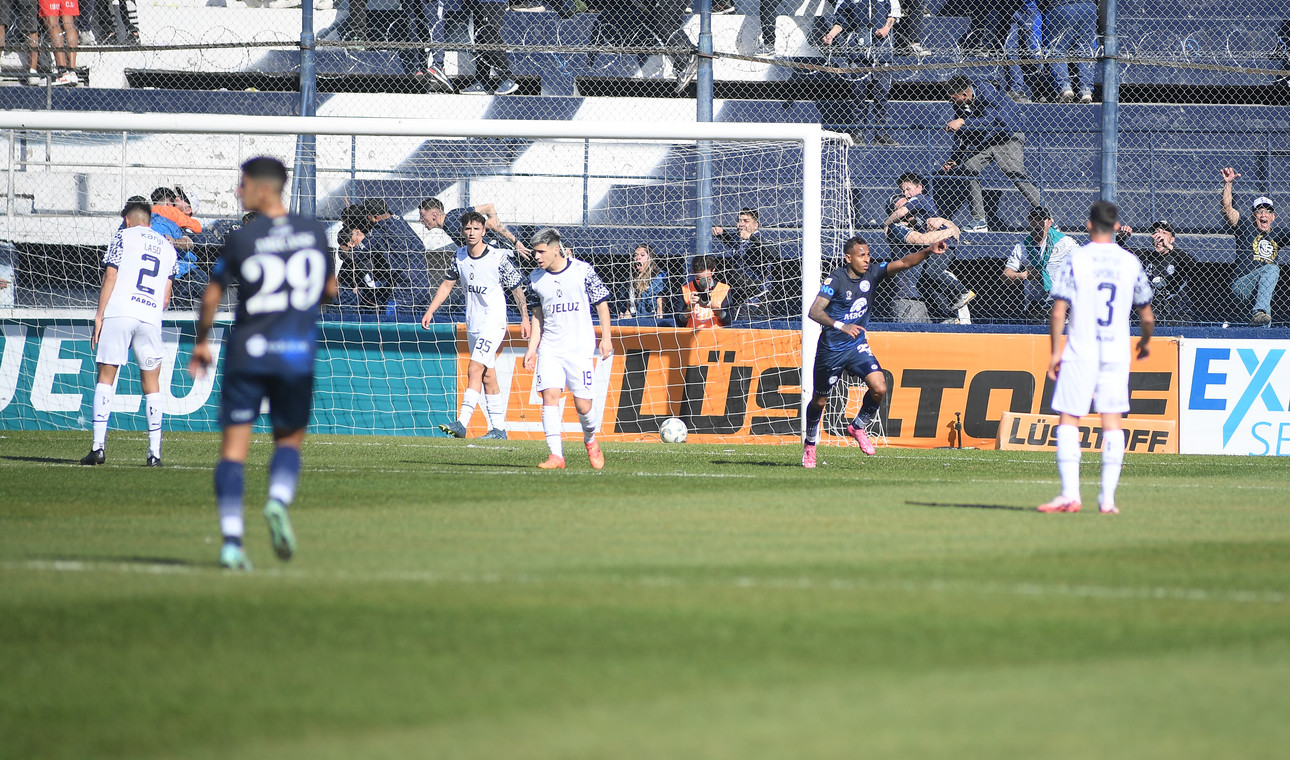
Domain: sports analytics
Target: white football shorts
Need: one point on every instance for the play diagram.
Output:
(486, 344)
(120, 333)
(1081, 383)
(574, 373)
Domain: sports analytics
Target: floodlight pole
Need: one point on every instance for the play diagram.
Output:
(703, 194)
(304, 178)
(1110, 106)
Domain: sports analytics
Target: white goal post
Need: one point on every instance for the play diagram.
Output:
(810, 137)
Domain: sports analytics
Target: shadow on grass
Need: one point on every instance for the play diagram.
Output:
(485, 465)
(1006, 507)
(100, 559)
(751, 463)
(41, 460)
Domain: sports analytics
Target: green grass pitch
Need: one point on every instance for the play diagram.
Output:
(449, 600)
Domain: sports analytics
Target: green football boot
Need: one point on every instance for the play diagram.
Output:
(280, 533)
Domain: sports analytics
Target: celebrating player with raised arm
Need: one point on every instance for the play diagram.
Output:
(842, 307)
(283, 275)
(563, 342)
(486, 273)
(1100, 285)
(140, 269)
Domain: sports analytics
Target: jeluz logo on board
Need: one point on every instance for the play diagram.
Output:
(1257, 395)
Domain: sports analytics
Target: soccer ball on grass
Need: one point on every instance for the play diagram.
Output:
(673, 430)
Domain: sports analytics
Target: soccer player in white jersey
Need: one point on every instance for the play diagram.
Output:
(1100, 284)
(563, 343)
(139, 269)
(486, 273)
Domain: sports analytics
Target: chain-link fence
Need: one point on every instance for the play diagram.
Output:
(1201, 87)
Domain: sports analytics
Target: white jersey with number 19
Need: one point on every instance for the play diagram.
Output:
(1102, 282)
(566, 299)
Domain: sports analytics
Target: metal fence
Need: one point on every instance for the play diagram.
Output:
(1143, 101)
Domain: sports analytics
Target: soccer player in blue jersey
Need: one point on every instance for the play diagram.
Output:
(842, 307)
(283, 273)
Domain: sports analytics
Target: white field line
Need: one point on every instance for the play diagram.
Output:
(808, 583)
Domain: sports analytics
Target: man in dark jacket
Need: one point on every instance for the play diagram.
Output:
(394, 250)
(751, 264)
(986, 130)
(1167, 267)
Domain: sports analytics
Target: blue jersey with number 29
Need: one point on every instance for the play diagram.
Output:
(280, 266)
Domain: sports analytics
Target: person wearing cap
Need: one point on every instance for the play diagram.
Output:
(1257, 246)
(1167, 267)
(914, 223)
(1038, 260)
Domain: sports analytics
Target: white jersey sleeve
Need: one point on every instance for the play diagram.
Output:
(1102, 282)
(144, 261)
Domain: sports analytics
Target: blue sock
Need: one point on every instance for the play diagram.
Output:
(284, 473)
(228, 499)
(813, 415)
(868, 408)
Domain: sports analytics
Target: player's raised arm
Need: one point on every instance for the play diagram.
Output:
(916, 258)
(440, 296)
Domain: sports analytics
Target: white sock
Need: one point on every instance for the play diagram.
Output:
(588, 426)
(1068, 460)
(469, 400)
(551, 428)
(103, 393)
(1112, 463)
(496, 411)
(152, 403)
(230, 525)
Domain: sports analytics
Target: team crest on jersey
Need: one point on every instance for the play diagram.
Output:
(848, 295)
(864, 286)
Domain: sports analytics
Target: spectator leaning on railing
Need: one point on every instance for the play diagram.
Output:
(1257, 247)
(1167, 267)
(1038, 260)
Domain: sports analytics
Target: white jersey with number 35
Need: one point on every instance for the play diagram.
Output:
(144, 261)
(566, 299)
(1102, 282)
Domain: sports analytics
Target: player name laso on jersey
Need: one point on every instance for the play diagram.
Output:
(279, 243)
(565, 307)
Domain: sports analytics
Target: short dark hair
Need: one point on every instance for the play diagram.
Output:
(1104, 215)
(914, 177)
(474, 216)
(430, 203)
(376, 207)
(163, 195)
(1038, 214)
(703, 264)
(266, 169)
(957, 83)
(133, 206)
(750, 212)
(249, 217)
(853, 242)
(356, 216)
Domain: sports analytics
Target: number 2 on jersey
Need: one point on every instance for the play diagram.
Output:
(153, 272)
(303, 275)
(1110, 307)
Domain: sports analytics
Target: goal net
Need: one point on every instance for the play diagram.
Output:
(767, 207)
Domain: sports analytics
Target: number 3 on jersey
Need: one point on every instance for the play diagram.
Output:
(1110, 307)
(297, 281)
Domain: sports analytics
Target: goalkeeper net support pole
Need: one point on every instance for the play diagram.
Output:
(638, 181)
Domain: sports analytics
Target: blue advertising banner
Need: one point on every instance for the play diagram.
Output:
(393, 379)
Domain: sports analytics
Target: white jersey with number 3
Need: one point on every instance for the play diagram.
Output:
(1102, 282)
(144, 261)
(486, 280)
(566, 299)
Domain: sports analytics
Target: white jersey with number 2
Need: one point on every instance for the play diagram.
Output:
(1102, 282)
(144, 261)
(566, 299)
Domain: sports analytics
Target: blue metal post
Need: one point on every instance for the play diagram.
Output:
(1110, 107)
(703, 224)
(305, 183)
